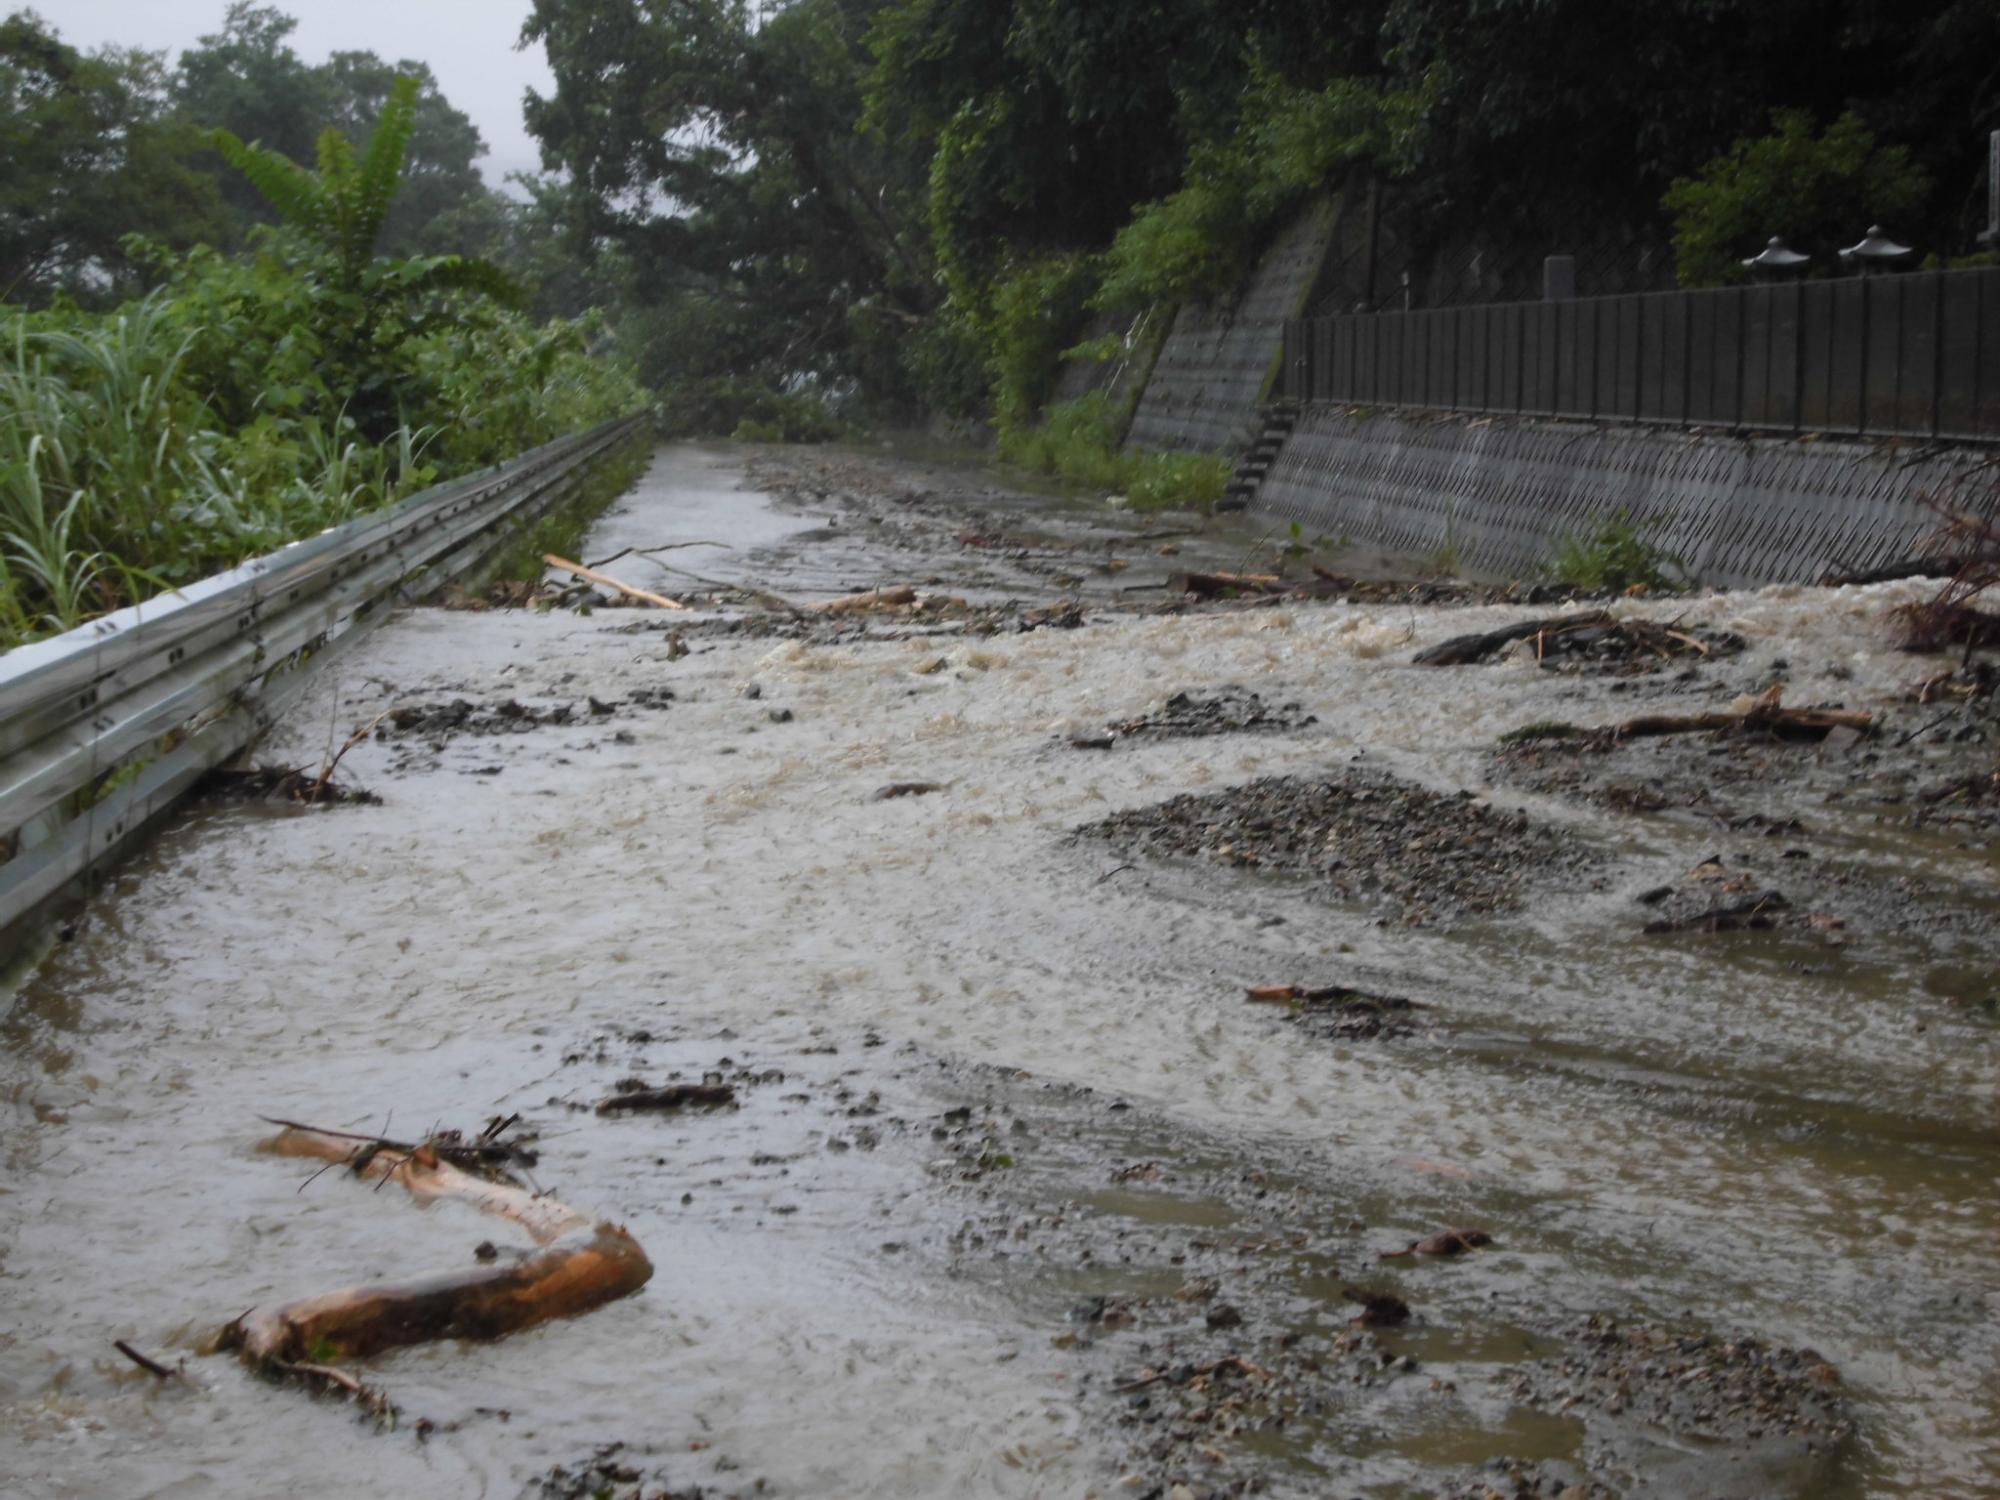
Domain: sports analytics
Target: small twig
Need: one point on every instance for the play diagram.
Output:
(649, 551)
(1116, 870)
(353, 739)
(150, 1366)
(1923, 729)
(376, 1403)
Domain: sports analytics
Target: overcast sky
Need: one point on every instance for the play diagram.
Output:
(468, 43)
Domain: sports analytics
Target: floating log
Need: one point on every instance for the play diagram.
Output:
(488, 1303)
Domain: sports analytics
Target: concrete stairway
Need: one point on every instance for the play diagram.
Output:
(1279, 419)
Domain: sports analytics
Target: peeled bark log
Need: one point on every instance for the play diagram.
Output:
(429, 1179)
(489, 1303)
(605, 580)
(556, 1281)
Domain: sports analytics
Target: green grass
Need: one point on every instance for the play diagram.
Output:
(561, 529)
(1076, 443)
(1615, 556)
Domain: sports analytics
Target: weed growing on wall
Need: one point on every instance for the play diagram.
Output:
(1614, 557)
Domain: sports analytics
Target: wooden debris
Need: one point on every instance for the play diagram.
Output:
(1764, 712)
(906, 789)
(151, 1366)
(1752, 914)
(605, 580)
(1326, 994)
(490, 1302)
(1447, 1243)
(1463, 649)
(898, 597)
(1189, 1374)
(673, 1096)
(556, 1281)
(1218, 585)
(1378, 1309)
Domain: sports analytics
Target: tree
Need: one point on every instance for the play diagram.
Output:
(248, 80)
(1814, 190)
(719, 152)
(440, 171)
(91, 157)
(370, 307)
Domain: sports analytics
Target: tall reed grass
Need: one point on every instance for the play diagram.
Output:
(117, 480)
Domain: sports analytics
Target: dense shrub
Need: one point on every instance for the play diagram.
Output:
(1078, 442)
(1816, 191)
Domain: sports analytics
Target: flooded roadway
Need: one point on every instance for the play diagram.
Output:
(1025, 1113)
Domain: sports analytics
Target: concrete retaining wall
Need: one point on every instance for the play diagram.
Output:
(1205, 388)
(1737, 511)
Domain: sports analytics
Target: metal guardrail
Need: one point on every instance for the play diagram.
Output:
(1915, 354)
(103, 728)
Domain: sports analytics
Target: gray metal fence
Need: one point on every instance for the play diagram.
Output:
(1915, 354)
(104, 728)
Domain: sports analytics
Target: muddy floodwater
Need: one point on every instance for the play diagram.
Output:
(1023, 1195)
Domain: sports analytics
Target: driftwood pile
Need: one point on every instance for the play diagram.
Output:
(1586, 636)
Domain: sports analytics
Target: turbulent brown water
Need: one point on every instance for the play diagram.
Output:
(858, 1291)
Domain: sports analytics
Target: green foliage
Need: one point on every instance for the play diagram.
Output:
(713, 144)
(246, 79)
(1817, 191)
(260, 398)
(1078, 442)
(363, 315)
(1288, 143)
(1615, 556)
(748, 412)
(91, 152)
(562, 528)
(1035, 314)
